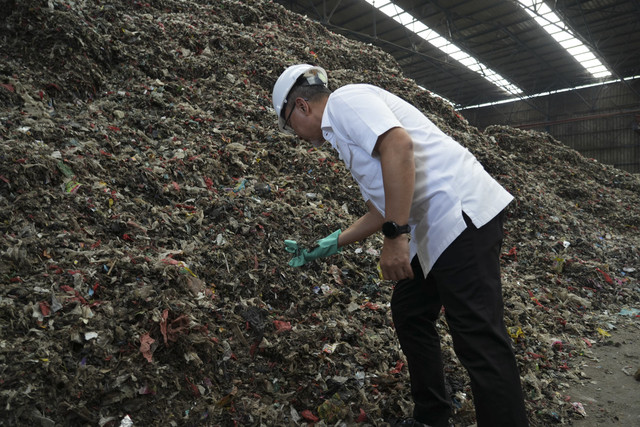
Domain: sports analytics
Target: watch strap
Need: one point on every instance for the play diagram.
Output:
(392, 230)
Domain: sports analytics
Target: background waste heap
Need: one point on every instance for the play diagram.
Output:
(145, 195)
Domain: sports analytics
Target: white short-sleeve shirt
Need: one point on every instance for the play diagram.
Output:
(448, 181)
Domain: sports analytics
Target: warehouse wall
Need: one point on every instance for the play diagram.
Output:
(600, 122)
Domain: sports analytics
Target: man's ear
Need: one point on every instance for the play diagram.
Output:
(302, 104)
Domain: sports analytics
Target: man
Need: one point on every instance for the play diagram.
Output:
(441, 215)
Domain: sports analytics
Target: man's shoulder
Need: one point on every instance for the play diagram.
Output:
(355, 93)
(356, 88)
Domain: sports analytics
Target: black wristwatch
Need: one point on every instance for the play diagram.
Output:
(392, 230)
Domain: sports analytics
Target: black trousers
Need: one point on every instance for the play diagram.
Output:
(466, 281)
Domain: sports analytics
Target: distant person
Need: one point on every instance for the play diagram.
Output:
(441, 215)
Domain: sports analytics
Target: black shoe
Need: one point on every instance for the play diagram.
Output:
(406, 422)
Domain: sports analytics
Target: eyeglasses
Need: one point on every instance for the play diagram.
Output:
(287, 127)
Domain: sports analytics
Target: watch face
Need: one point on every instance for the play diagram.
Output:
(390, 229)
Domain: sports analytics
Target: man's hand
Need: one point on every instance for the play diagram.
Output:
(298, 260)
(394, 261)
(324, 247)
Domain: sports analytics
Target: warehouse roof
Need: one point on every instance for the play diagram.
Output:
(503, 39)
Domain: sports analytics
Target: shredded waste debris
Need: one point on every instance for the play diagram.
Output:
(146, 194)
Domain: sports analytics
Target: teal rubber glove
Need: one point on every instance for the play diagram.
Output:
(291, 246)
(324, 247)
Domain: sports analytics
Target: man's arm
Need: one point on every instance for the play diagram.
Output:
(395, 149)
(363, 227)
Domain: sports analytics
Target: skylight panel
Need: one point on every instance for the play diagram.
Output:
(405, 19)
(593, 63)
(587, 56)
(600, 72)
(391, 10)
(437, 41)
(570, 43)
(408, 21)
(562, 36)
(555, 27)
(541, 21)
(459, 56)
(418, 27)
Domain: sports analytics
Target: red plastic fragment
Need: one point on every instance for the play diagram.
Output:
(78, 297)
(398, 368)
(282, 326)
(8, 87)
(44, 308)
(145, 346)
(371, 305)
(512, 252)
(607, 278)
(308, 415)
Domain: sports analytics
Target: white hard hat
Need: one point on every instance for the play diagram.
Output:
(314, 76)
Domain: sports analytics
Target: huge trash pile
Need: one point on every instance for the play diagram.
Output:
(146, 194)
